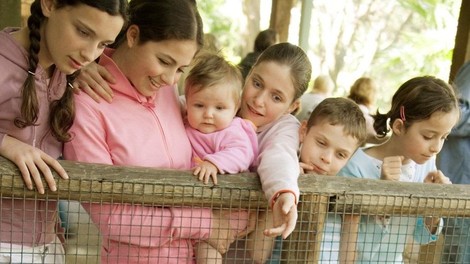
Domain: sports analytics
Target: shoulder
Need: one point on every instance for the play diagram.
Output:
(361, 165)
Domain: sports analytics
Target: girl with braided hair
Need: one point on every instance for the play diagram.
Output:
(36, 110)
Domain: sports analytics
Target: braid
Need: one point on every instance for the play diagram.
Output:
(63, 112)
(30, 105)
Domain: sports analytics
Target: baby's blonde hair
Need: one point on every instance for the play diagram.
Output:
(209, 69)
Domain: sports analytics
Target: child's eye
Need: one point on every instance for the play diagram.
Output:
(277, 98)
(198, 105)
(321, 143)
(256, 84)
(427, 137)
(342, 155)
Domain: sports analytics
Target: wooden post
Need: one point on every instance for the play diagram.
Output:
(303, 245)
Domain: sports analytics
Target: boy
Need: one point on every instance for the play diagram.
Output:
(335, 130)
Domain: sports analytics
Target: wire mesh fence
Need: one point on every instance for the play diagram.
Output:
(110, 214)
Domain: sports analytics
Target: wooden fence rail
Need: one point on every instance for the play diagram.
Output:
(319, 195)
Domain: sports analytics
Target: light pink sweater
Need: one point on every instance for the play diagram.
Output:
(26, 222)
(135, 130)
(278, 167)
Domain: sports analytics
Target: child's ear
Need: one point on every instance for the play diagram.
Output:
(302, 131)
(294, 106)
(398, 126)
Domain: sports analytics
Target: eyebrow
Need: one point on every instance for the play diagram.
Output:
(275, 89)
(92, 32)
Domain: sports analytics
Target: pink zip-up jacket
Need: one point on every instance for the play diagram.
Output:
(231, 150)
(278, 163)
(140, 131)
(22, 221)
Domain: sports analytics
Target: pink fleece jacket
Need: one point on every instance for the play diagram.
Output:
(232, 149)
(140, 131)
(278, 163)
(27, 222)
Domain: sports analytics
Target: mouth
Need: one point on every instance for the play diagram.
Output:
(154, 83)
(75, 64)
(319, 170)
(252, 110)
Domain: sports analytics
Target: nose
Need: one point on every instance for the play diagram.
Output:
(259, 99)
(326, 157)
(90, 53)
(170, 77)
(436, 146)
(208, 113)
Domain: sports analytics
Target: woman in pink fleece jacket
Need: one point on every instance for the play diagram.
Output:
(143, 127)
(36, 111)
(271, 92)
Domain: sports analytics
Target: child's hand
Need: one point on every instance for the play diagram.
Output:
(93, 80)
(206, 170)
(32, 162)
(304, 168)
(284, 216)
(437, 177)
(391, 168)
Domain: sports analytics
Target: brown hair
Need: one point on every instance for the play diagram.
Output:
(417, 99)
(341, 111)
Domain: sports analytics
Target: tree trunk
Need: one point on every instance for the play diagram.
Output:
(280, 17)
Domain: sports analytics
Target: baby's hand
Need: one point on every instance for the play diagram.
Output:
(391, 168)
(437, 177)
(206, 170)
(32, 162)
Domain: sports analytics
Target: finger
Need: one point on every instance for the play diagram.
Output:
(275, 231)
(47, 175)
(36, 177)
(196, 171)
(56, 166)
(91, 92)
(214, 178)
(107, 76)
(290, 226)
(26, 176)
(207, 176)
(76, 88)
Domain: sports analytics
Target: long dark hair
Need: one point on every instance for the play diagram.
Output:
(62, 111)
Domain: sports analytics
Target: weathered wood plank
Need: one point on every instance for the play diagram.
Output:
(104, 183)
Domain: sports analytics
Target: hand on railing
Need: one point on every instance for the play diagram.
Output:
(32, 162)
